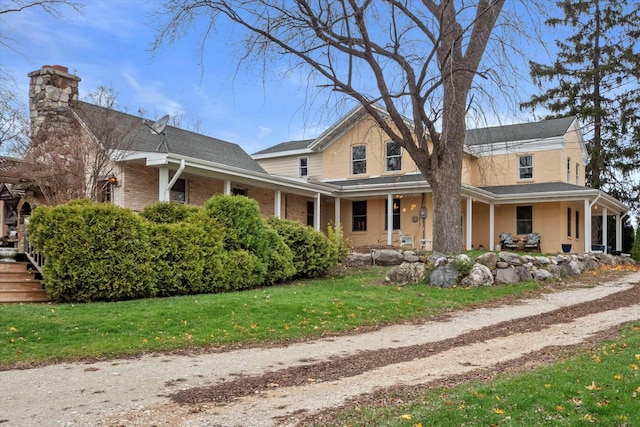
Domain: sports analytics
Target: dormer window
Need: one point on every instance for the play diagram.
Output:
(303, 169)
(359, 159)
(525, 167)
(393, 157)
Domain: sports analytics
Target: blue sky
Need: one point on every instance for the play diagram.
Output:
(109, 46)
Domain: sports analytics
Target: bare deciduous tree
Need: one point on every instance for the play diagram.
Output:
(415, 59)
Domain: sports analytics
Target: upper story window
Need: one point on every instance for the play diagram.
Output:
(568, 169)
(393, 157)
(178, 193)
(303, 169)
(577, 173)
(359, 159)
(525, 167)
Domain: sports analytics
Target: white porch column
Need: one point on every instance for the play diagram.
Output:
(227, 187)
(316, 214)
(618, 232)
(492, 242)
(163, 174)
(337, 213)
(277, 202)
(469, 222)
(389, 219)
(605, 233)
(587, 226)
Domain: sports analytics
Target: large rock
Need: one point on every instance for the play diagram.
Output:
(524, 274)
(489, 259)
(407, 272)
(387, 257)
(357, 260)
(555, 270)
(541, 274)
(511, 258)
(444, 276)
(410, 256)
(480, 276)
(607, 259)
(507, 276)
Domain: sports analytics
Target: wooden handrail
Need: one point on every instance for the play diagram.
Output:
(35, 257)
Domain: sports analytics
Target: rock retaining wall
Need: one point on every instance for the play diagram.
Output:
(488, 269)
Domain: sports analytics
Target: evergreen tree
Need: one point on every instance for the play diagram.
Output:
(595, 77)
(635, 250)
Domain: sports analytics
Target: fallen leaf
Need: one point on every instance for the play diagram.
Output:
(406, 416)
(593, 386)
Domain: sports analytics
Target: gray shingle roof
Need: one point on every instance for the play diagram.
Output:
(287, 146)
(391, 179)
(544, 187)
(519, 132)
(136, 136)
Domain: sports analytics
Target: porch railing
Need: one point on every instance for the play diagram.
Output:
(36, 258)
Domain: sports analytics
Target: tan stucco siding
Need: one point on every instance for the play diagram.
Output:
(337, 157)
(548, 166)
(575, 152)
(410, 221)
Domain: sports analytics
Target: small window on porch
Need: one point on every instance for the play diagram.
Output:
(525, 167)
(396, 214)
(238, 192)
(359, 215)
(569, 217)
(524, 219)
(577, 225)
(104, 191)
(310, 213)
(303, 169)
(178, 193)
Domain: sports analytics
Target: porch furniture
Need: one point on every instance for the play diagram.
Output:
(532, 242)
(507, 242)
(405, 240)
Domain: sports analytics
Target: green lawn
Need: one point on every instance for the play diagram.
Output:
(37, 333)
(598, 387)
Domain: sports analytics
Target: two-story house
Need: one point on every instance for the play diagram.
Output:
(517, 178)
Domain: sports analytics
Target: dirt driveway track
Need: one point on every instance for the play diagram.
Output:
(286, 386)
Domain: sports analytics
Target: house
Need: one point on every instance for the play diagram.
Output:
(517, 178)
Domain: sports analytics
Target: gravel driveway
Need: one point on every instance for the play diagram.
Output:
(293, 384)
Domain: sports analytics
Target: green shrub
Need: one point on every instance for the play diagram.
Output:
(184, 257)
(244, 228)
(336, 236)
(313, 253)
(93, 252)
(168, 213)
(280, 265)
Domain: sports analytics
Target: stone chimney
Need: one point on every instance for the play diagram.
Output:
(52, 93)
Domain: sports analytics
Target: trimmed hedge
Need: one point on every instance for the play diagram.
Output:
(93, 252)
(99, 252)
(313, 253)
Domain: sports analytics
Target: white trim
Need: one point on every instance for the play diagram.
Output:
(366, 155)
(281, 154)
(300, 167)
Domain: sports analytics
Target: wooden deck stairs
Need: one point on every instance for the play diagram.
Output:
(19, 284)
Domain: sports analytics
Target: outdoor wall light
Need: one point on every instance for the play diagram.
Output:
(112, 179)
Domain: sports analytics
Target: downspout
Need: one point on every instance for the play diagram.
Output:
(175, 178)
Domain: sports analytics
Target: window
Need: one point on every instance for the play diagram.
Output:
(359, 159)
(178, 193)
(577, 225)
(359, 213)
(569, 222)
(568, 169)
(396, 214)
(525, 167)
(302, 166)
(393, 157)
(577, 174)
(524, 219)
(239, 192)
(104, 191)
(310, 212)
